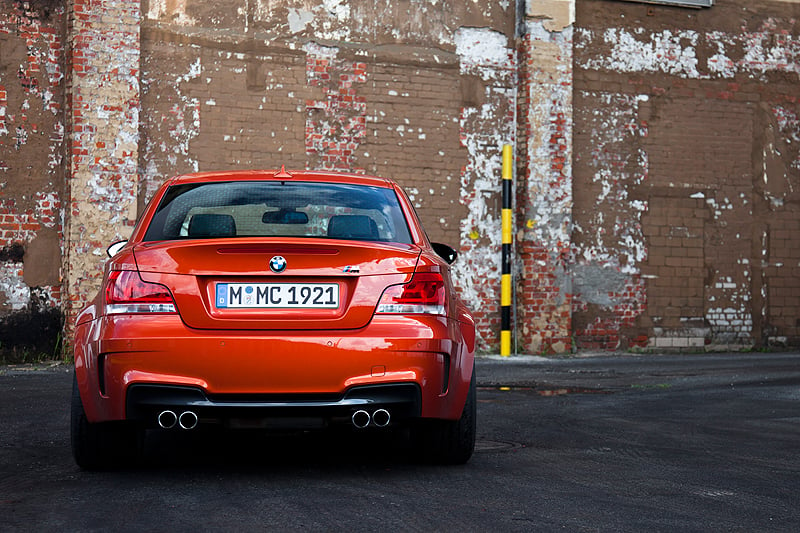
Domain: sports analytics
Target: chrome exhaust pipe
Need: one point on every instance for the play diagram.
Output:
(381, 418)
(360, 419)
(167, 419)
(188, 420)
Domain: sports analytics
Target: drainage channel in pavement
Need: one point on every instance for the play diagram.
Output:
(543, 391)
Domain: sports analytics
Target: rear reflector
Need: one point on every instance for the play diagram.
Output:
(424, 294)
(127, 293)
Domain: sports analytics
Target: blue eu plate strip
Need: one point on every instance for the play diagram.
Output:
(222, 295)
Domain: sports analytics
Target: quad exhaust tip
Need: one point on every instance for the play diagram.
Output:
(380, 418)
(361, 419)
(188, 420)
(168, 419)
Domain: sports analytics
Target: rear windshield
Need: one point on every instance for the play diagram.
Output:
(279, 209)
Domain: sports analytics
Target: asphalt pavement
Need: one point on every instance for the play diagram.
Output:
(620, 371)
(609, 442)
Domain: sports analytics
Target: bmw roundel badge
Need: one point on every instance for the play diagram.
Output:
(277, 264)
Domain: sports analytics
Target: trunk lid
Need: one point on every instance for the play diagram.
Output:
(228, 284)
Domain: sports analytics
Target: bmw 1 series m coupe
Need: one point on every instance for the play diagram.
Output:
(275, 299)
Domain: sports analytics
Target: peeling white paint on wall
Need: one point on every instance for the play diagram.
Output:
(18, 295)
(172, 10)
(484, 131)
(299, 19)
(337, 9)
(410, 22)
(13, 286)
(118, 200)
(56, 156)
(322, 51)
(336, 123)
(481, 229)
(657, 52)
(482, 50)
(550, 95)
(608, 254)
(328, 20)
(547, 223)
(789, 129)
(733, 323)
(720, 64)
(769, 50)
(183, 125)
(46, 204)
(690, 55)
(104, 176)
(43, 47)
(676, 53)
(728, 311)
(3, 115)
(718, 207)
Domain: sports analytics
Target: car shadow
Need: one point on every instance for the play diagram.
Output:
(271, 451)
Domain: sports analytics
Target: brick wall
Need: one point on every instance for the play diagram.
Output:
(608, 239)
(688, 172)
(430, 108)
(545, 188)
(31, 172)
(103, 133)
(658, 148)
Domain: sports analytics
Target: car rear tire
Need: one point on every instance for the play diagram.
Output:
(449, 441)
(97, 446)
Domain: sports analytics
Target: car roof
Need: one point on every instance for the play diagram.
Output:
(282, 175)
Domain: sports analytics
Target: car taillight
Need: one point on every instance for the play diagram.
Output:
(424, 294)
(126, 292)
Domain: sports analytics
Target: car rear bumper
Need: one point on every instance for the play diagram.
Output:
(324, 375)
(169, 406)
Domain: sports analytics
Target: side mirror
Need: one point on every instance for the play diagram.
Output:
(115, 248)
(445, 252)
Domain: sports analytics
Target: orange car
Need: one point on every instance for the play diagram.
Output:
(275, 299)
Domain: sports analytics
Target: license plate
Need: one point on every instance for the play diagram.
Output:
(277, 295)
